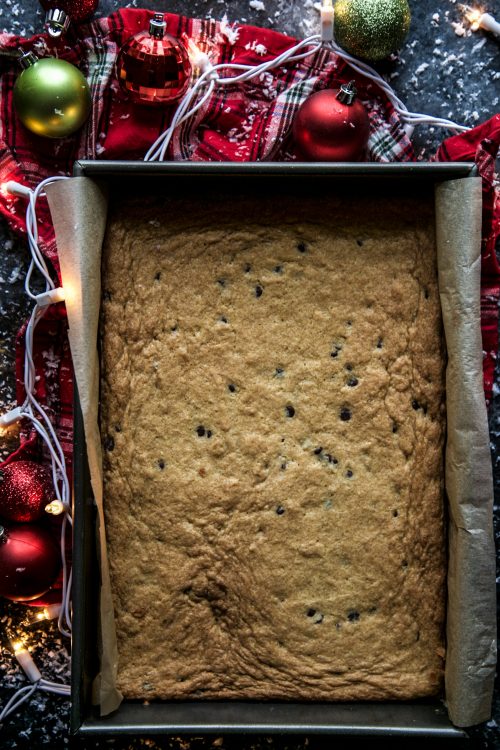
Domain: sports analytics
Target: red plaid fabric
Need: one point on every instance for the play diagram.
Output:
(247, 122)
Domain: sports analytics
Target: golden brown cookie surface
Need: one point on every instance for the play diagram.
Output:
(273, 425)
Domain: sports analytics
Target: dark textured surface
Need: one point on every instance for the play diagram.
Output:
(443, 69)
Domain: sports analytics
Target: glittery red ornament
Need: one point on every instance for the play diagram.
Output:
(153, 67)
(25, 489)
(59, 13)
(332, 125)
(29, 561)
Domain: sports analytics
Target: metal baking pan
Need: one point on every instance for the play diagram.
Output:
(398, 719)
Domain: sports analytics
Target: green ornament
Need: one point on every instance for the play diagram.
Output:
(51, 96)
(371, 29)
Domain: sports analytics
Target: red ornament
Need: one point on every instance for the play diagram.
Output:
(29, 561)
(60, 13)
(25, 489)
(153, 67)
(332, 125)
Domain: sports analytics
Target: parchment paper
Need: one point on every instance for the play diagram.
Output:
(471, 619)
(78, 208)
(79, 213)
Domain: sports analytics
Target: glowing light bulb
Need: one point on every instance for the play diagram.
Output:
(52, 297)
(199, 60)
(23, 658)
(55, 508)
(50, 612)
(11, 187)
(18, 646)
(478, 19)
(326, 20)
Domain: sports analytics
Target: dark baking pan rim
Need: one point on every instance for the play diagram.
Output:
(427, 170)
(397, 719)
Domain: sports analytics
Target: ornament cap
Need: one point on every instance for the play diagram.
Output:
(158, 26)
(27, 59)
(347, 93)
(56, 22)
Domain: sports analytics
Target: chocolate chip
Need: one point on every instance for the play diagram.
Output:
(302, 247)
(279, 372)
(349, 473)
(352, 382)
(106, 295)
(161, 463)
(345, 414)
(380, 343)
(426, 293)
(404, 563)
(209, 433)
(232, 387)
(415, 404)
(348, 366)
(278, 269)
(348, 322)
(311, 612)
(334, 354)
(395, 513)
(248, 267)
(258, 291)
(331, 459)
(394, 428)
(200, 430)
(317, 451)
(353, 615)
(158, 276)
(289, 411)
(221, 282)
(280, 510)
(223, 319)
(173, 328)
(283, 466)
(108, 443)
(118, 428)
(360, 243)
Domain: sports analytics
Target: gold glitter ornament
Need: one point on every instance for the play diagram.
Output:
(371, 29)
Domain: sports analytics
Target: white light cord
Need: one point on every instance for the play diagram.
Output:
(412, 118)
(17, 699)
(24, 693)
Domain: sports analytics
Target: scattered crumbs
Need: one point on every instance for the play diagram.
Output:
(254, 46)
(459, 28)
(421, 68)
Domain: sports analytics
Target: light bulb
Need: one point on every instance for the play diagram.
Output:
(480, 20)
(50, 612)
(326, 21)
(55, 508)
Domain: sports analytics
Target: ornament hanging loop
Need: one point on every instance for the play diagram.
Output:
(157, 26)
(26, 58)
(347, 93)
(56, 22)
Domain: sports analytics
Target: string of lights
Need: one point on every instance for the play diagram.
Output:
(33, 411)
